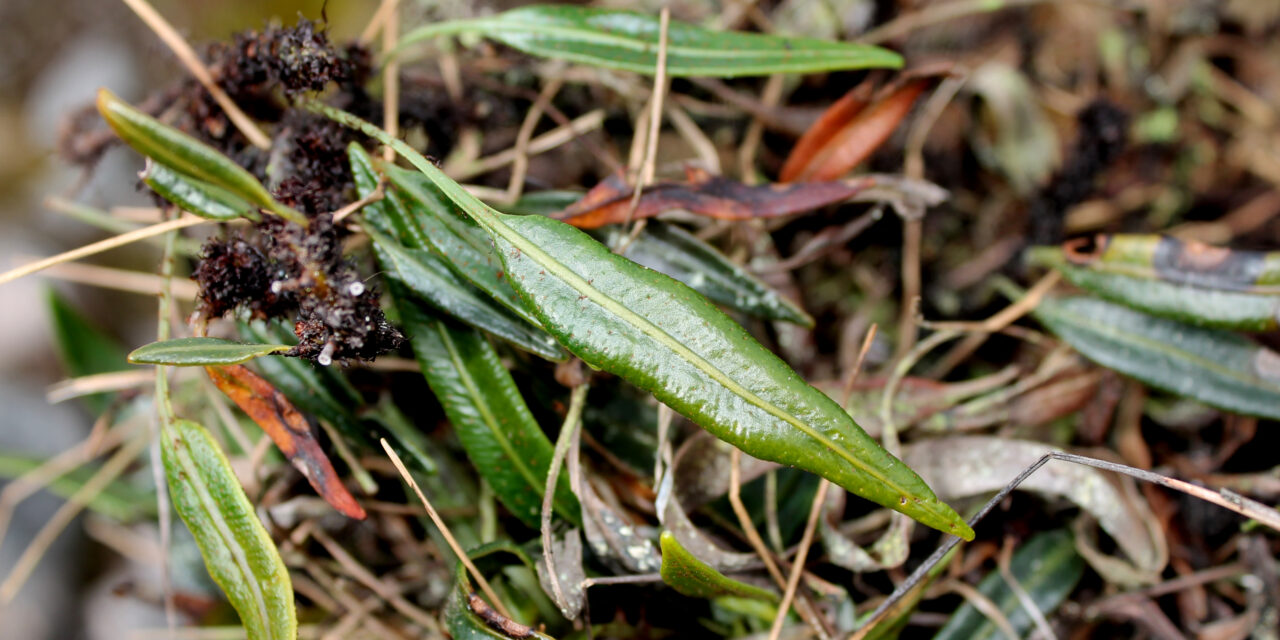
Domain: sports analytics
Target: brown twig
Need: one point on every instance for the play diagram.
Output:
(444, 530)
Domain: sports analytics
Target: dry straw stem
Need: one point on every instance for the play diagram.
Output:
(797, 569)
(562, 134)
(390, 75)
(187, 56)
(147, 284)
(520, 164)
(98, 247)
(649, 163)
(803, 607)
(365, 577)
(444, 530)
(30, 557)
(1005, 317)
(64, 390)
(1223, 498)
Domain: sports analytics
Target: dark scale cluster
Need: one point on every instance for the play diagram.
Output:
(283, 270)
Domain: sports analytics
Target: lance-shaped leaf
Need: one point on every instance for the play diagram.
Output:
(197, 196)
(1047, 569)
(1216, 367)
(423, 219)
(201, 352)
(692, 577)
(664, 337)
(185, 154)
(237, 550)
(501, 436)
(83, 348)
(429, 278)
(628, 40)
(1236, 310)
(671, 250)
(289, 430)
(610, 201)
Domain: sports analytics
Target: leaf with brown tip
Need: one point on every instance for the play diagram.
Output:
(289, 430)
(704, 194)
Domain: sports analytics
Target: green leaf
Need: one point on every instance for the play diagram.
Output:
(237, 550)
(679, 254)
(201, 352)
(1215, 367)
(1047, 567)
(197, 196)
(185, 154)
(83, 348)
(489, 415)
(423, 219)
(692, 577)
(665, 338)
(629, 41)
(429, 278)
(1204, 307)
(120, 500)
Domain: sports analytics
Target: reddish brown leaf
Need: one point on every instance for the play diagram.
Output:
(289, 430)
(849, 131)
(704, 194)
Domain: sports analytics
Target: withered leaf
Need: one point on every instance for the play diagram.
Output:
(704, 194)
(291, 432)
(849, 131)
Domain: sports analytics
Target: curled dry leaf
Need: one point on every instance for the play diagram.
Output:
(849, 131)
(962, 466)
(567, 550)
(289, 430)
(704, 194)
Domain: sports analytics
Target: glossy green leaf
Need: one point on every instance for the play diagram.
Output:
(1047, 568)
(1216, 367)
(201, 352)
(692, 577)
(185, 154)
(1218, 308)
(197, 196)
(425, 220)
(490, 417)
(628, 40)
(665, 338)
(83, 348)
(120, 500)
(237, 550)
(679, 254)
(429, 278)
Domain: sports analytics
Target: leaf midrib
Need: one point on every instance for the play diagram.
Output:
(208, 504)
(1110, 331)
(477, 399)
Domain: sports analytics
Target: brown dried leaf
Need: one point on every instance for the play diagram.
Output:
(849, 131)
(289, 430)
(704, 194)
